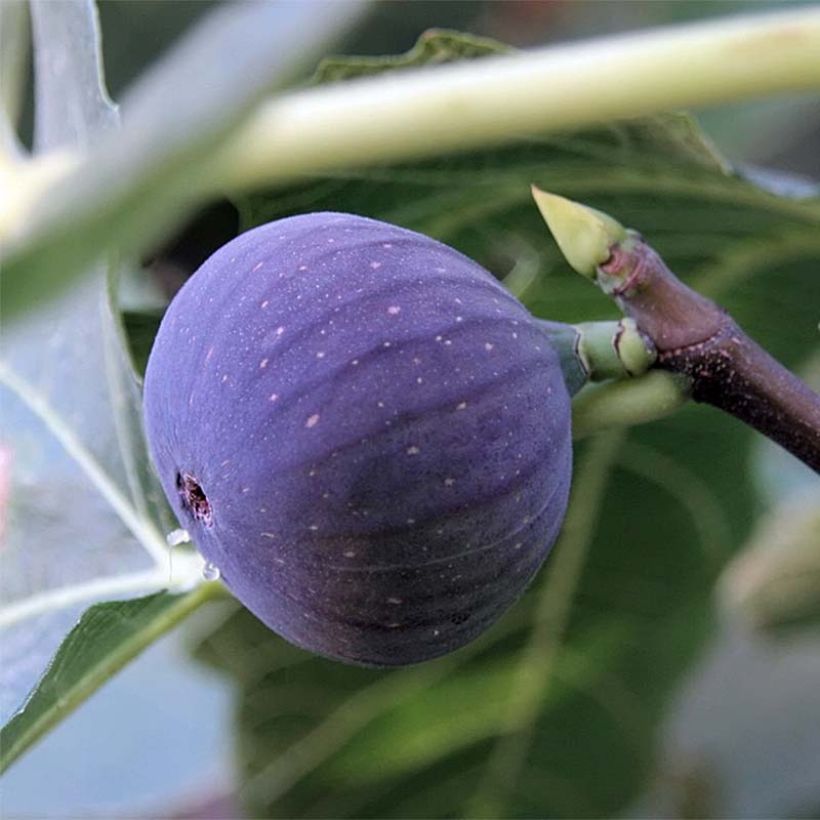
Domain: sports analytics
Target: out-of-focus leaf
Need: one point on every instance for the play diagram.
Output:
(554, 712)
(14, 50)
(140, 182)
(775, 583)
(77, 113)
(433, 47)
(82, 496)
(141, 327)
(106, 638)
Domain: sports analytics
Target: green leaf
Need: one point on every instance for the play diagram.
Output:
(144, 179)
(67, 44)
(106, 638)
(140, 329)
(775, 583)
(434, 46)
(14, 48)
(86, 516)
(556, 710)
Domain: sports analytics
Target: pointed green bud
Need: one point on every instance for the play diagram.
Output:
(583, 234)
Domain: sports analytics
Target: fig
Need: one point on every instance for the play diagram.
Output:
(364, 431)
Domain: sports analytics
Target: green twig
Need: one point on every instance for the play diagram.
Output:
(392, 118)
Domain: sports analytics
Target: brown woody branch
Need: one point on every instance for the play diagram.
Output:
(698, 339)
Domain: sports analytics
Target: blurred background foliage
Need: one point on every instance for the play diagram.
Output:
(614, 687)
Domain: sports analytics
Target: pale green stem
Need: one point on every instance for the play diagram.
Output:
(437, 109)
(419, 113)
(597, 351)
(446, 108)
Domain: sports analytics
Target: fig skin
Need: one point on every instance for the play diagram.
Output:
(364, 431)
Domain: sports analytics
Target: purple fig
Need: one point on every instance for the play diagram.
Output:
(364, 431)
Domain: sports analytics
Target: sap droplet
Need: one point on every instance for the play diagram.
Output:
(177, 537)
(210, 571)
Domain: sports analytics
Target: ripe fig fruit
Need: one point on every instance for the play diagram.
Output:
(364, 431)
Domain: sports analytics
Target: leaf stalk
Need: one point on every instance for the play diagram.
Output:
(488, 101)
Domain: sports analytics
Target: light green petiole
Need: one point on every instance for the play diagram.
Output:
(599, 351)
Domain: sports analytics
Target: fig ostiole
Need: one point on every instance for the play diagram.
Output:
(364, 432)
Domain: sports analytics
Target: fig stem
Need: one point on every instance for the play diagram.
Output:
(702, 343)
(599, 351)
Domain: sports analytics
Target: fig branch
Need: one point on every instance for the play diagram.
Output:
(694, 337)
(60, 209)
(457, 107)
